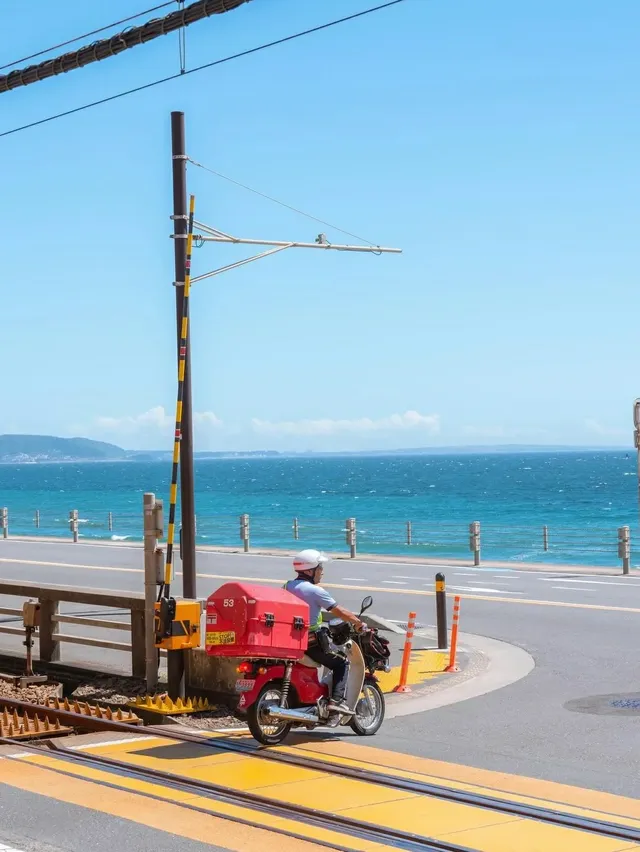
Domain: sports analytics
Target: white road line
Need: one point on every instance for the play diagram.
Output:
(481, 589)
(590, 582)
(356, 579)
(394, 582)
(570, 589)
(72, 565)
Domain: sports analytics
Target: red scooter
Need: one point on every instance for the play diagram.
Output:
(284, 694)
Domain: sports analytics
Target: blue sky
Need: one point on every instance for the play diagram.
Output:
(494, 142)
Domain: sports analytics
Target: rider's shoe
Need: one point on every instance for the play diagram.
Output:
(340, 707)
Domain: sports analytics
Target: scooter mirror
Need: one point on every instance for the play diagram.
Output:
(367, 603)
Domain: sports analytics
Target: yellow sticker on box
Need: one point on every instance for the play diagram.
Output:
(227, 637)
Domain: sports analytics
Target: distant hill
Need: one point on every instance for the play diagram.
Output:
(40, 448)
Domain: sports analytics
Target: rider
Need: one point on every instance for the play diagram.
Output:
(309, 566)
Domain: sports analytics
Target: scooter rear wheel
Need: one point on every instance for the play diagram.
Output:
(370, 709)
(263, 729)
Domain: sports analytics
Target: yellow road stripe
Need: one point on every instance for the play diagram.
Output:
(419, 592)
(34, 777)
(429, 817)
(518, 788)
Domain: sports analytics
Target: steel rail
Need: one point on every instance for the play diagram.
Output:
(391, 837)
(540, 813)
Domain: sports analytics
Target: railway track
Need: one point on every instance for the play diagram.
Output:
(310, 816)
(350, 828)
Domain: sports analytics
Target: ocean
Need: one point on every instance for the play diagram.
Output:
(582, 498)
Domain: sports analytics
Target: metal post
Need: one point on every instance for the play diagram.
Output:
(153, 571)
(73, 524)
(409, 533)
(474, 541)
(350, 526)
(296, 529)
(624, 548)
(37, 519)
(4, 522)
(110, 521)
(545, 537)
(187, 497)
(244, 532)
(636, 437)
(441, 610)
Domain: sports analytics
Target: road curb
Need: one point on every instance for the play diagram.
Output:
(502, 664)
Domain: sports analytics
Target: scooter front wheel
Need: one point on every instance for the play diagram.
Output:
(264, 729)
(370, 709)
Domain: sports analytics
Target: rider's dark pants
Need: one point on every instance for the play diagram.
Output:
(336, 663)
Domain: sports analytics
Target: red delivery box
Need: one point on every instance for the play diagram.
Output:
(250, 620)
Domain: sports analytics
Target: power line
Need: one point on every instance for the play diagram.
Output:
(281, 203)
(86, 35)
(201, 68)
(124, 40)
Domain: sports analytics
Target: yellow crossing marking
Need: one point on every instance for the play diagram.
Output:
(471, 826)
(423, 666)
(55, 779)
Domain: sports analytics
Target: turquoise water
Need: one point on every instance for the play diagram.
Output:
(582, 497)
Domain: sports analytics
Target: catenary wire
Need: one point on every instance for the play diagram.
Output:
(239, 55)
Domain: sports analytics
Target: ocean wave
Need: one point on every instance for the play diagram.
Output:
(120, 537)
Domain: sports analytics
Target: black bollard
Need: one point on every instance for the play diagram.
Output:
(441, 611)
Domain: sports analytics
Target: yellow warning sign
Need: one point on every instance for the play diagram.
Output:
(227, 637)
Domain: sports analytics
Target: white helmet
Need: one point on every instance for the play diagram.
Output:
(307, 560)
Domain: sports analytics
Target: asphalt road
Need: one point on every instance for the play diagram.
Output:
(582, 630)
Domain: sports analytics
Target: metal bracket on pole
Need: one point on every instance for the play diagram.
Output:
(217, 237)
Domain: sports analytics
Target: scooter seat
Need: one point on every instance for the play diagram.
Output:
(307, 661)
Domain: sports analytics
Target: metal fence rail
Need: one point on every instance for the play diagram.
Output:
(454, 540)
(49, 634)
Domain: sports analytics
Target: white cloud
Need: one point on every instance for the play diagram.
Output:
(410, 420)
(154, 421)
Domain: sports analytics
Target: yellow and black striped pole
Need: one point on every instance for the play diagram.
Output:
(182, 360)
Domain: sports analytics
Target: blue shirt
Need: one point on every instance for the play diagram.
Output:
(317, 598)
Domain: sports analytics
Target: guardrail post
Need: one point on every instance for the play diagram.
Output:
(441, 610)
(144, 655)
(409, 533)
(73, 524)
(624, 548)
(296, 529)
(474, 541)
(110, 521)
(49, 648)
(350, 526)
(4, 522)
(36, 519)
(545, 538)
(244, 532)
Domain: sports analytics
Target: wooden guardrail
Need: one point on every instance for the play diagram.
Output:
(48, 635)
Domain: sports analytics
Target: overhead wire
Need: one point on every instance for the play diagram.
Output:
(281, 203)
(212, 64)
(86, 35)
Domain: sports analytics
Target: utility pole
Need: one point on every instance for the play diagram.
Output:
(187, 497)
